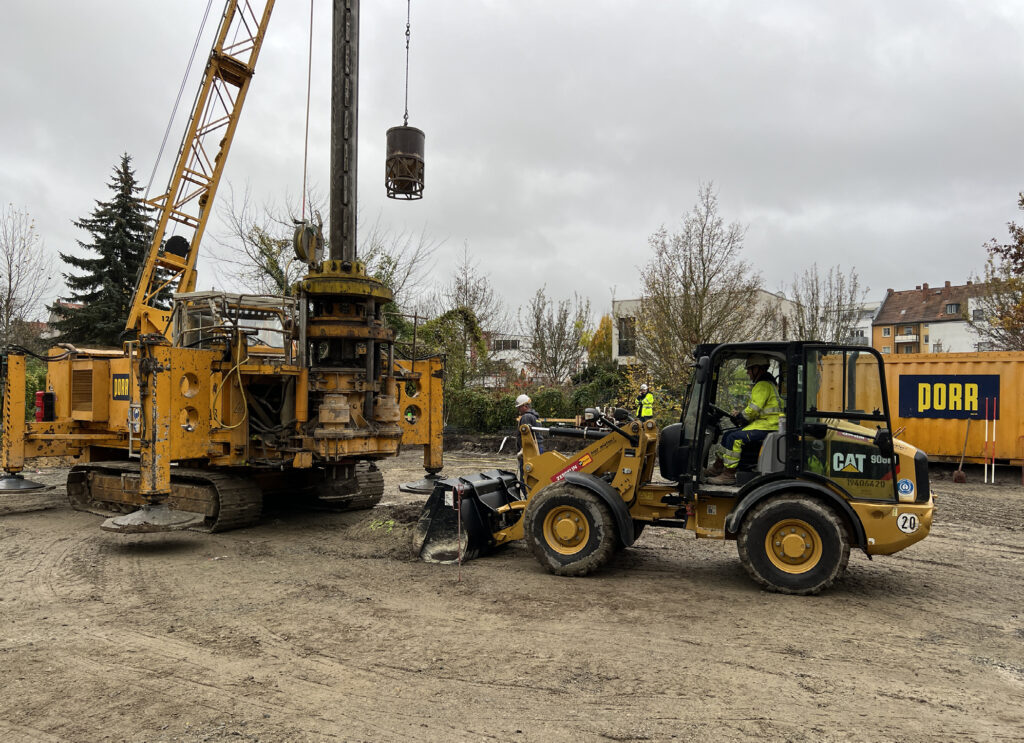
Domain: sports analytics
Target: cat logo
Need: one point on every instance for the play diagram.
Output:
(121, 391)
(848, 462)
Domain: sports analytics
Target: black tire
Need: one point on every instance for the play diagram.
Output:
(794, 544)
(570, 530)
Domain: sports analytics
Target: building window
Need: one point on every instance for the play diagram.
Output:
(907, 348)
(885, 349)
(926, 339)
(952, 308)
(886, 332)
(978, 315)
(937, 348)
(627, 336)
(908, 330)
(505, 344)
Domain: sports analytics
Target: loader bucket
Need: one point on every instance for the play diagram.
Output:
(461, 515)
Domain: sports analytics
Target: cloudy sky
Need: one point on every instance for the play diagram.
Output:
(878, 135)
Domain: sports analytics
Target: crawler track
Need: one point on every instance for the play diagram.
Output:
(363, 490)
(227, 501)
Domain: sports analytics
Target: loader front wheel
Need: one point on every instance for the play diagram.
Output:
(794, 544)
(570, 530)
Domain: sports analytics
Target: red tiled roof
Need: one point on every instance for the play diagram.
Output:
(925, 304)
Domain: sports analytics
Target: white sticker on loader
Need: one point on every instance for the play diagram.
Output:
(908, 523)
(449, 499)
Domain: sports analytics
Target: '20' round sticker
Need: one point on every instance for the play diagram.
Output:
(908, 523)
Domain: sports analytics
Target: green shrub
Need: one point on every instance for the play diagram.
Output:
(35, 380)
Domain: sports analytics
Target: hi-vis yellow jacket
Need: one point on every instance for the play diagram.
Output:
(645, 405)
(764, 408)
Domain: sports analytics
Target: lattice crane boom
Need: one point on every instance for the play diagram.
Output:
(184, 207)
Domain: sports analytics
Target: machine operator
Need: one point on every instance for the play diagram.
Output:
(759, 418)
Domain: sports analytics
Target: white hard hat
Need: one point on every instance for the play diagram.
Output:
(756, 359)
(643, 388)
(522, 400)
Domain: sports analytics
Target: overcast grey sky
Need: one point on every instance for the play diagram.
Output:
(881, 135)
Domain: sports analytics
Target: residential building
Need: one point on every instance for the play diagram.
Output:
(927, 320)
(860, 334)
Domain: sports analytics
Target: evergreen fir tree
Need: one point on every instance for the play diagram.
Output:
(104, 284)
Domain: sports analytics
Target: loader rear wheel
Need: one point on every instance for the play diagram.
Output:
(794, 544)
(570, 530)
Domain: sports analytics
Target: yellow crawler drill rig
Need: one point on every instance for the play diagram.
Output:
(220, 398)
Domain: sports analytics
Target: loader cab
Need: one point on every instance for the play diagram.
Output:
(835, 422)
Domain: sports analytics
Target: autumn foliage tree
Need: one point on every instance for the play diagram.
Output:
(1001, 297)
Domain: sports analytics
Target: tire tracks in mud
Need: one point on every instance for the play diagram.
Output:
(170, 669)
(309, 691)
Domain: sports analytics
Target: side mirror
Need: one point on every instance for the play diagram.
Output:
(591, 414)
(883, 440)
(703, 369)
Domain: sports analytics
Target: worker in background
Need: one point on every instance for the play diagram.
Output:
(644, 403)
(759, 418)
(527, 416)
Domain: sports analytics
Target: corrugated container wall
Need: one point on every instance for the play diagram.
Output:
(935, 397)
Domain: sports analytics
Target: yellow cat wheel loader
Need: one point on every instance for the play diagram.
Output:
(830, 478)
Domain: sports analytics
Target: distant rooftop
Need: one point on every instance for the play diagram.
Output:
(925, 303)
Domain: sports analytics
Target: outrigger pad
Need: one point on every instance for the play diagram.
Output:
(153, 519)
(438, 536)
(424, 486)
(11, 483)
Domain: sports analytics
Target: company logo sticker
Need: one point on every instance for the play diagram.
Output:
(905, 487)
(120, 387)
(579, 464)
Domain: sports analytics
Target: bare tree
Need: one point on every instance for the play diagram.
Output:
(403, 260)
(697, 289)
(470, 291)
(825, 306)
(259, 249)
(25, 271)
(555, 334)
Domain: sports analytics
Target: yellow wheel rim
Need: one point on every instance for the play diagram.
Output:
(566, 530)
(793, 546)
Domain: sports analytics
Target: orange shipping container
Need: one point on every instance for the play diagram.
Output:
(943, 399)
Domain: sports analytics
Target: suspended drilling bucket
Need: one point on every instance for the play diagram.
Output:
(403, 170)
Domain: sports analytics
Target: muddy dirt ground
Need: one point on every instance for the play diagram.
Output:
(321, 626)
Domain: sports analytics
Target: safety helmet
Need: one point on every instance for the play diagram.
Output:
(643, 388)
(522, 400)
(756, 359)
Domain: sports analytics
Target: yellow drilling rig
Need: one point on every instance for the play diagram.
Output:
(220, 398)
